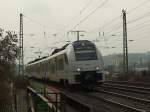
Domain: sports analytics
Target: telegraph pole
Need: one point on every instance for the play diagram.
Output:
(125, 43)
(78, 33)
(21, 56)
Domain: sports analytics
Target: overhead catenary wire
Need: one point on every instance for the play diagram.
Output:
(140, 35)
(138, 6)
(134, 28)
(43, 25)
(106, 24)
(129, 12)
(86, 6)
(142, 32)
(129, 22)
(92, 12)
(86, 17)
(134, 39)
(119, 17)
(80, 12)
(139, 18)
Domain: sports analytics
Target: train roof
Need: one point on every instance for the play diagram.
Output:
(38, 59)
(59, 50)
(54, 53)
(82, 41)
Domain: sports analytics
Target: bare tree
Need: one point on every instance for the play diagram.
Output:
(8, 55)
(8, 46)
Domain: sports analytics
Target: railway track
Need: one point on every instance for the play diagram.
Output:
(129, 87)
(139, 84)
(115, 104)
(100, 103)
(134, 102)
(104, 100)
(127, 91)
(134, 96)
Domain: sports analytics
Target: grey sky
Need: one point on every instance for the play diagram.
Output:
(59, 16)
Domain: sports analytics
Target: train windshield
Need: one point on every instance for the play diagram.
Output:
(85, 51)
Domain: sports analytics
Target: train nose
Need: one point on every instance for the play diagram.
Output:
(88, 77)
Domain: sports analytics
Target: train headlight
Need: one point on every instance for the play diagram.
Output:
(78, 69)
(97, 68)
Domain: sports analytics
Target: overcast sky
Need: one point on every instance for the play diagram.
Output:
(57, 17)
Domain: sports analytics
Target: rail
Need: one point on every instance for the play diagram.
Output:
(124, 107)
(144, 101)
(131, 83)
(130, 87)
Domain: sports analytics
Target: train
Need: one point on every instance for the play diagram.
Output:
(76, 63)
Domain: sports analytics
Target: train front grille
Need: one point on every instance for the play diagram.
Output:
(88, 77)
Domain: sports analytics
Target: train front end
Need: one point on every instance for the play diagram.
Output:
(87, 66)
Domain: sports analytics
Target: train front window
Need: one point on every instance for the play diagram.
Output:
(85, 51)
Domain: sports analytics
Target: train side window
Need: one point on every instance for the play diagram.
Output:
(52, 67)
(55, 64)
(46, 66)
(66, 59)
(29, 68)
(34, 68)
(60, 64)
(38, 68)
(49, 67)
(43, 67)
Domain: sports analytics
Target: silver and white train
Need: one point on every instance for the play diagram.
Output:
(79, 62)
